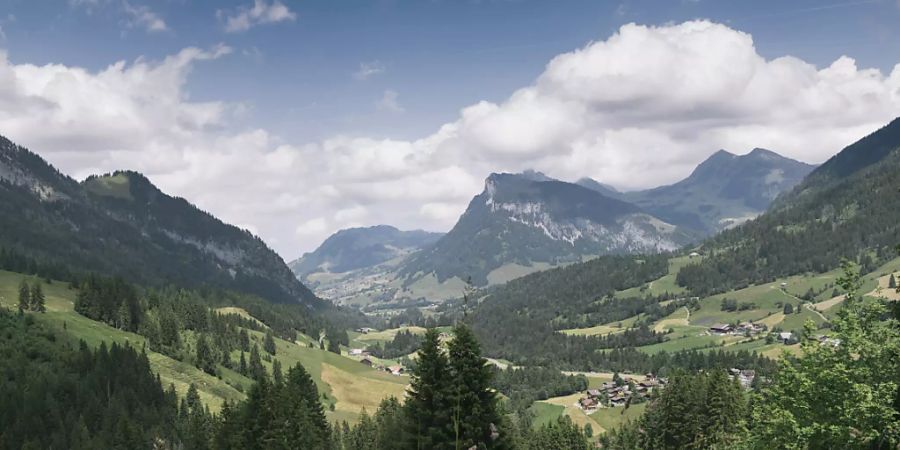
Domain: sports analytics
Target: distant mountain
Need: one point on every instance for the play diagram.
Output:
(602, 188)
(849, 208)
(360, 248)
(723, 191)
(529, 218)
(121, 224)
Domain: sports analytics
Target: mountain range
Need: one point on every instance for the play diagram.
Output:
(121, 224)
(521, 223)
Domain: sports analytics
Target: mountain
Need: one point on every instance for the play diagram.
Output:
(848, 208)
(723, 191)
(527, 219)
(360, 248)
(602, 188)
(121, 224)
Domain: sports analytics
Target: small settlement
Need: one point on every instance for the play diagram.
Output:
(612, 394)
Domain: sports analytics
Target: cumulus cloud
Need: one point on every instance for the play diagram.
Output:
(638, 109)
(369, 69)
(389, 102)
(261, 13)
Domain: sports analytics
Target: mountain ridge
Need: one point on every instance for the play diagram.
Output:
(122, 224)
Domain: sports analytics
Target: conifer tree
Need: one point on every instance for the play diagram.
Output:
(245, 340)
(24, 297)
(205, 359)
(243, 364)
(257, 371)
(473, 403)
(892, 282)
(37, 300)
(269, 343)
(427, 408)
(277, 376)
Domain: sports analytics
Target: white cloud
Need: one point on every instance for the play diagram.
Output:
(389, 102)
(142, 16)
(369, 69)
(261, 13)
(636, 110)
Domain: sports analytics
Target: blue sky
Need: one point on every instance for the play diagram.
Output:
(290, 86)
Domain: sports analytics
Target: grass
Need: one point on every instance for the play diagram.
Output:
(570, 409)
(664, 284)
(545, 413)
(386, 335)
(603, 329)
(610, 418)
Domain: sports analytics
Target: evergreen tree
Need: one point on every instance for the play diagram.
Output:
(277, 376)
(245, 340)
(24, 296)
(788, 308)
(892, 282)
(37, 300)
(243, 364)
(269, 343)
(472, 402)
(427, 408)
(205, 360)
(256, 369)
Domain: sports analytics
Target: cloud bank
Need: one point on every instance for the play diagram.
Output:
(636, 110)
(260, 13)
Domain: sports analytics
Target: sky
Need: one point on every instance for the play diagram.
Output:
(294, 119)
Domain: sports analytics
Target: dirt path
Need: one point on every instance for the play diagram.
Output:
(806, 305)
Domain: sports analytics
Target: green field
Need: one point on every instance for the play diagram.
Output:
(545, 413)
(610, 418)
(664, 284)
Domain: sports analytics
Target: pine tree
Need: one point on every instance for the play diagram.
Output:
(473, 403)
(269, 343)
(37, 300)
(24, 297)
(245, 340)
(205, 359)
(788, 308)
(427, 408)
(243, 366)
(892, 282)
(277, 376)
(257, 371)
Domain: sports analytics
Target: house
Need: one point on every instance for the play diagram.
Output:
(366, 361)
(365, 330)
(356, 352)
(825, 340)
(395, 370)
(693, 255)
(722, 328)
(785, 336)
(588, 403)
(594, 393)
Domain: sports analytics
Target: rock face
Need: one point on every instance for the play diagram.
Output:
(723, 191)
(529, 218)
(121, 224)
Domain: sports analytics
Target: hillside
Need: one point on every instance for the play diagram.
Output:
(524, 219)
(339, 378)
(846, 208)
(121, 224)
(723, 191)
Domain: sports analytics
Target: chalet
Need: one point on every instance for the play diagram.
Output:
(722, 328)
(395, 370)
(366, 361)
(825, 340)
(750, 327)
(365, 330)
(594, 393)
(588, 403)
(356, 352)
(785, 336)
(693, 255)
(745, 376)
